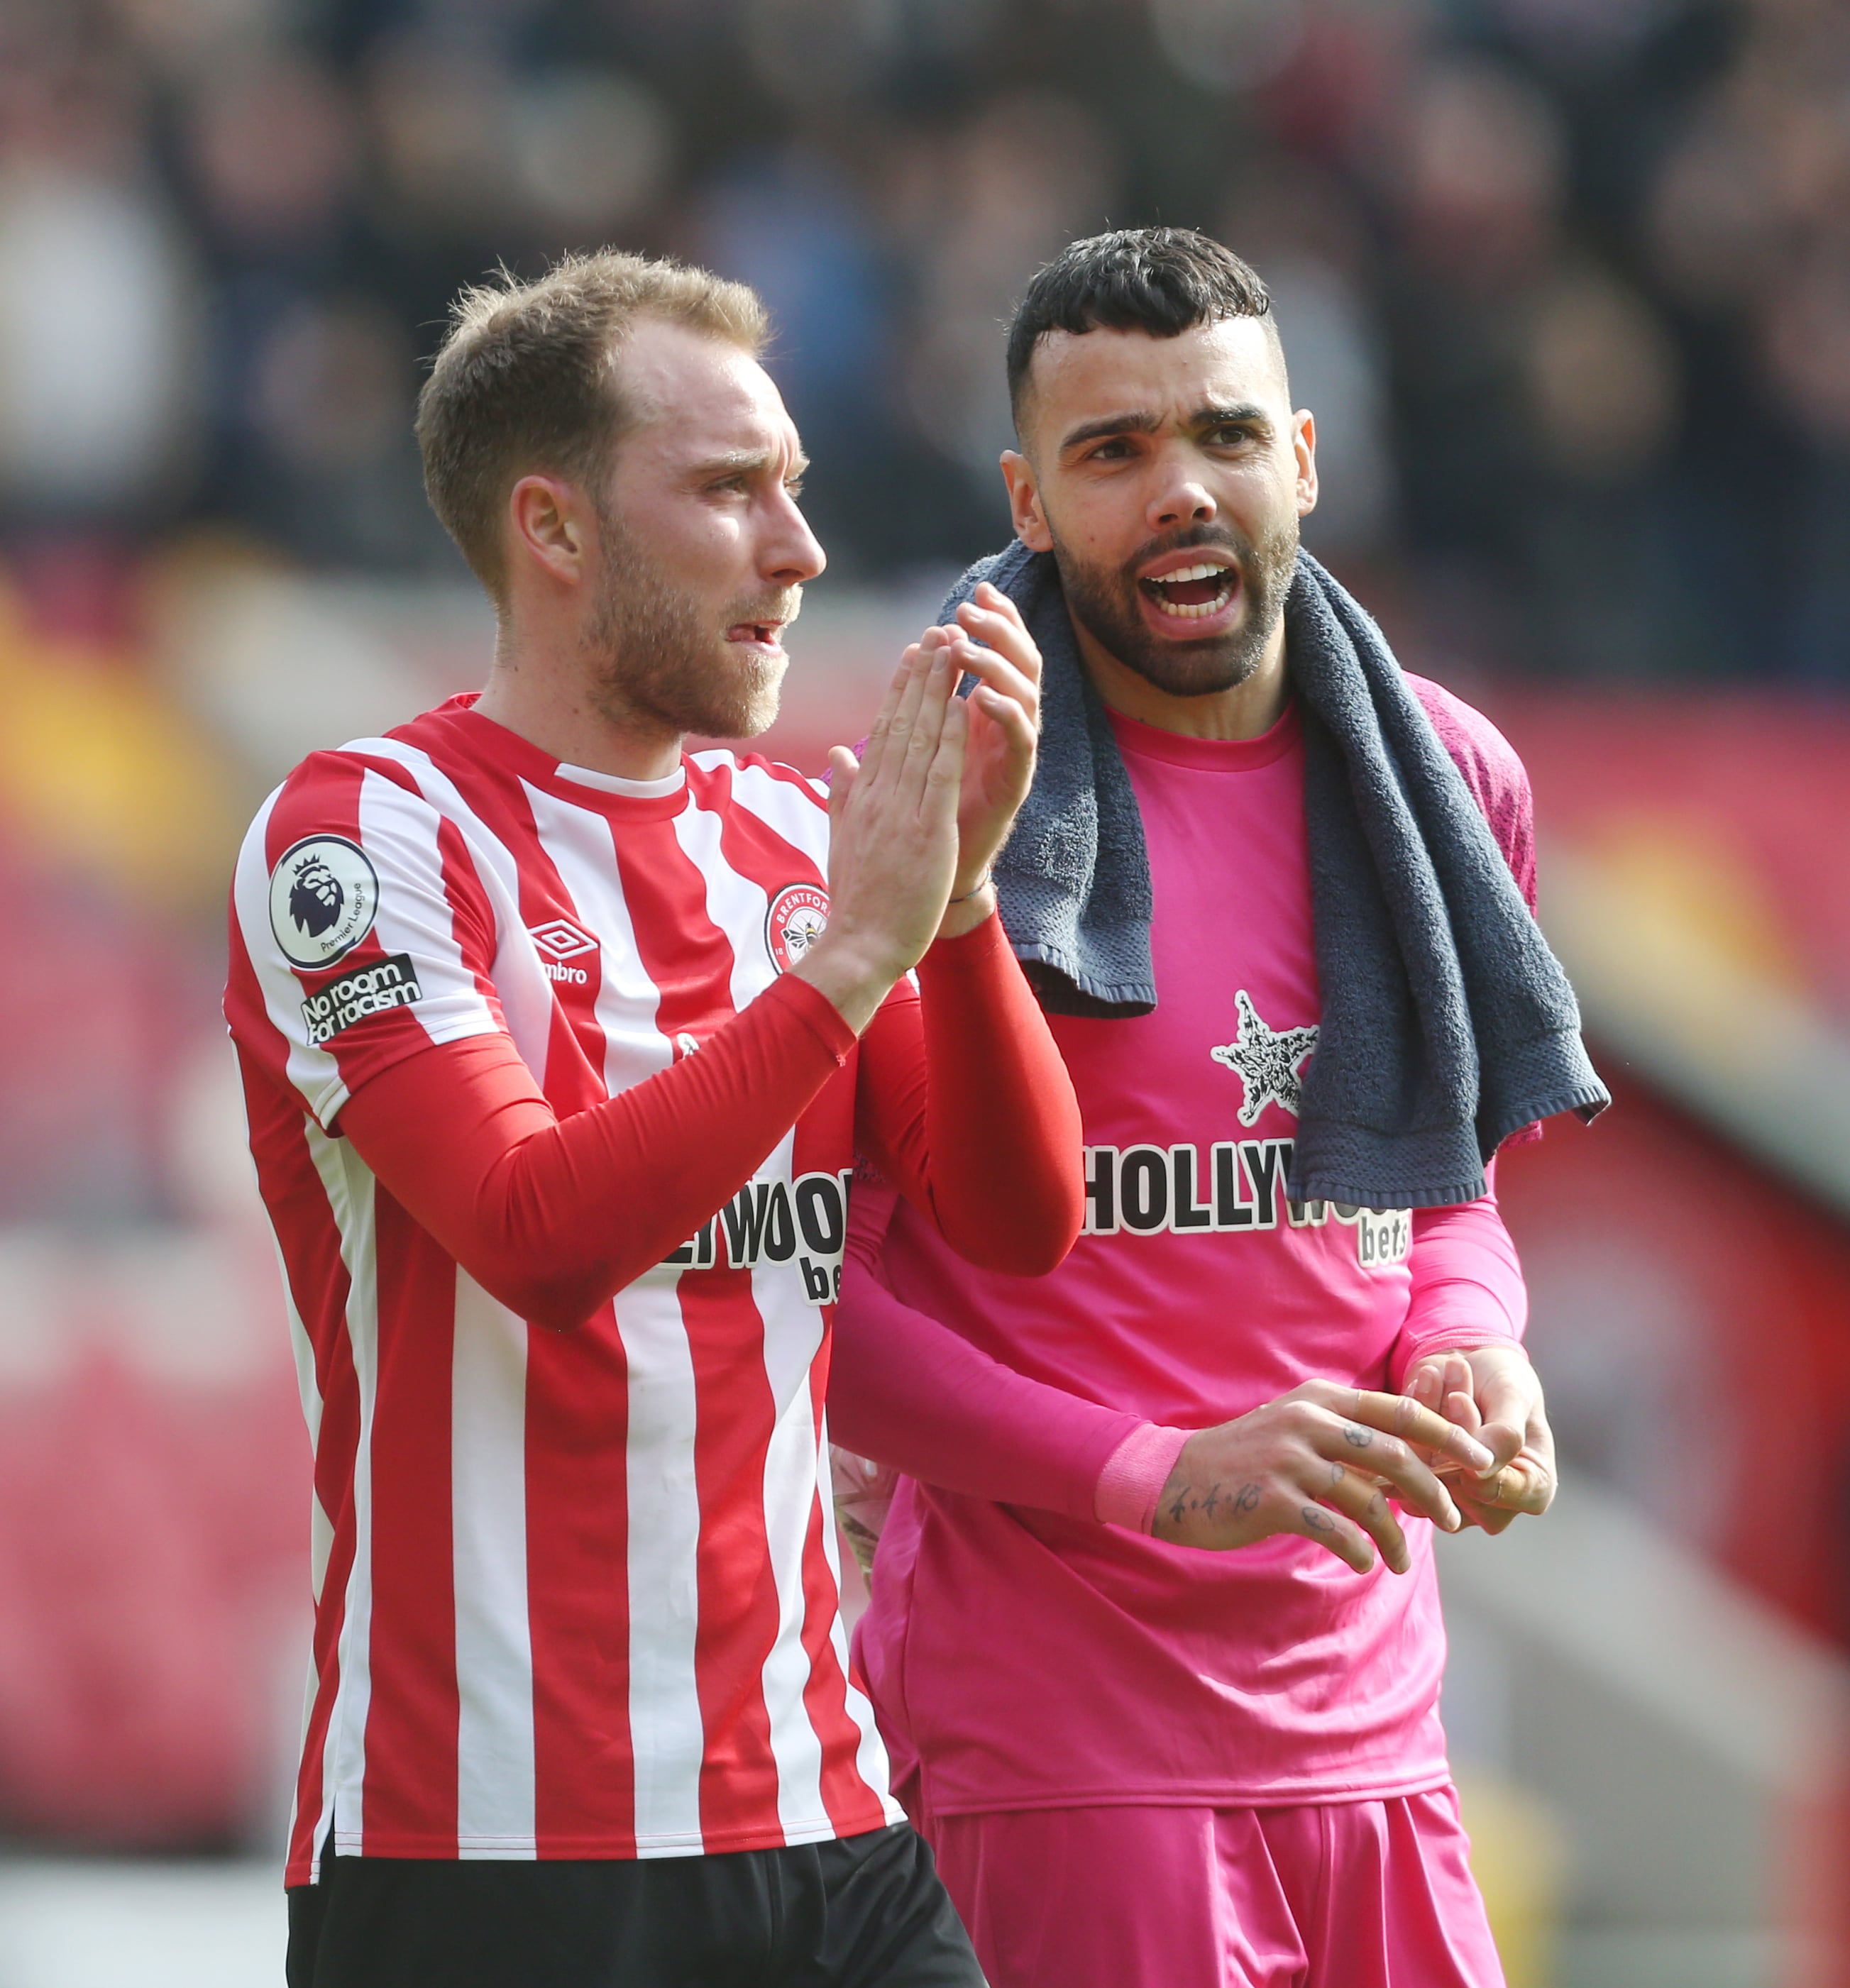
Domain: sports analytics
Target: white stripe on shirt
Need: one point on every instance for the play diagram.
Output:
(350, 1187)
(520, 982)
(667, 1733)
(793, 1336)
(495, 1749)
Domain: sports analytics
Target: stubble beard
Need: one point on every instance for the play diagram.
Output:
(1105, 605)
(660, 661)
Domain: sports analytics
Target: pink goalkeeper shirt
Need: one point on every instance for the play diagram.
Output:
(1020, 1653)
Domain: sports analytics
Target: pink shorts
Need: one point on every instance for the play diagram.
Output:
(1354, 1895)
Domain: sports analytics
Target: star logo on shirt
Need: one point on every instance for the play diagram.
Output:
(1265, 1061)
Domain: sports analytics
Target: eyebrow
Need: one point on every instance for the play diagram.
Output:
(1141, 421)
(737, 459)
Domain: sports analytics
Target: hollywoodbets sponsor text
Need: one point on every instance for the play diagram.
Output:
(803, 1222)
(1237, 1186)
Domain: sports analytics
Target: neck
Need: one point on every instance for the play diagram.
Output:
(1244, 710)
(538, 688)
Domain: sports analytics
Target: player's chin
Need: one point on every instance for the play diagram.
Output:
(747, 692)
(1194, 669)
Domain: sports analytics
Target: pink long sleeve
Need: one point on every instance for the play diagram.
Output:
(907, 1390)
(1468, 1288)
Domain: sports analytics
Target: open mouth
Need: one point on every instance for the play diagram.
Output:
(762, 634)
(1193, 593)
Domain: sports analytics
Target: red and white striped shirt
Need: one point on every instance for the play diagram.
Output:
(576, 1591)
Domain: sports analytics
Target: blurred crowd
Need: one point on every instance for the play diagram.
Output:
(1568, 282)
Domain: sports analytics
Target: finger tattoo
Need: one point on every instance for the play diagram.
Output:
(1337, 1473)
(1320, 1520)
(1356, 1436)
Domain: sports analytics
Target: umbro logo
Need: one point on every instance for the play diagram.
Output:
(559, 940)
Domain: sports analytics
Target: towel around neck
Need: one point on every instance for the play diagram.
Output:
(1447, 1022)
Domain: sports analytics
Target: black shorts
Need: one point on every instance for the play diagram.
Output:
(865, 1912)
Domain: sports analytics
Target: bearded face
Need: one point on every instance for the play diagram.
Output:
(664, 657)
(1104, 600)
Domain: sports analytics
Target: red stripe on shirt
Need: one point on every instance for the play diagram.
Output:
(413, 1710)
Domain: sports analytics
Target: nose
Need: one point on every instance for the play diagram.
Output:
(1180, 498)
(793, 555)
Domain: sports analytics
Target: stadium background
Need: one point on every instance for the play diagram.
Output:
(1567, 284)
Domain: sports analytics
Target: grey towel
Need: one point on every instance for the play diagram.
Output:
(1447, 1022)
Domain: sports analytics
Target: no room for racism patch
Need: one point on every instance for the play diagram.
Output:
(367, 990)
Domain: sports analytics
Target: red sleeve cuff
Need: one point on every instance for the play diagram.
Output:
(814, 1007)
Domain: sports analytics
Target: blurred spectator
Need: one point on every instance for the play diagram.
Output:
(439, 118)
(96, 323)
(1228, 44)
(795, 225)
(1807, 335)
(338, 475)
(984, 204)
(817, 51)
(274, 153)
(1295, 224)
(97, 300)
(589, 150)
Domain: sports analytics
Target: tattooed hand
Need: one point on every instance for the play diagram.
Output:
(1324, 1462)
(1492, 1391)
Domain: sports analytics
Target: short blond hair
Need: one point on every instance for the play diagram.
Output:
(526, 381)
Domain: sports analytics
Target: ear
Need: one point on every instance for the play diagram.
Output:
(551, 524)
(1303, 445)
(1024, 502)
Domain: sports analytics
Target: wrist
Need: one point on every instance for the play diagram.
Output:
(964, 915)
(1476, 1337)
(853, 975)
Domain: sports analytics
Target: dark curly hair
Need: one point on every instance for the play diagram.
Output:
(1162, 281)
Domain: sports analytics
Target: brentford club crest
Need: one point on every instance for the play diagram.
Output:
(795, 922)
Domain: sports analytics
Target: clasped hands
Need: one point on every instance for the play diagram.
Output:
(1466, 1443)
(1493, 1394)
